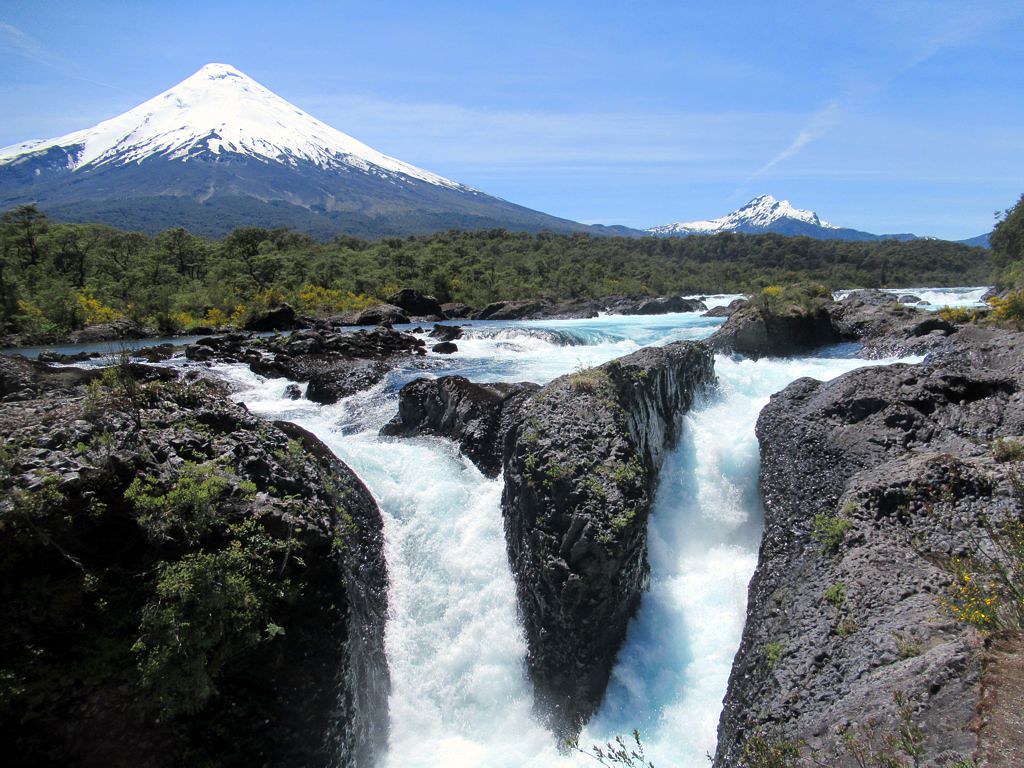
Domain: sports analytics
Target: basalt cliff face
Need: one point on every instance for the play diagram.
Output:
(476, 416)
(580, 460)
(580, 468)
(183, 582)
(876, 485)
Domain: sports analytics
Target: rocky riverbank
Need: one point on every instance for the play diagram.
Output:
(878, 487)
(183, 582)
(800, 321)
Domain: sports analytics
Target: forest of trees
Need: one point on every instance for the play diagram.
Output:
(56, 277)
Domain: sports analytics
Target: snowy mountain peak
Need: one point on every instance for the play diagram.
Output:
(219, 111)
(761, 214)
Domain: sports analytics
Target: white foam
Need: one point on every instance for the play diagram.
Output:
(455, 645)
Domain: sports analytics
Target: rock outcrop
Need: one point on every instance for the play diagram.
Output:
(335, 364)
(655, 306)
(783, 327)
(725, 310)
(476, 416)
(580, 465)
(875, 320)
(380, 314)
(873, 483)
(183, 582)
(416, 304)
(279, 318)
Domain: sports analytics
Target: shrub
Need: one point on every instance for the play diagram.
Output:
(1009, 309)
(1006, 449)
(836, 594)
(772, 653)
(769, 749)
(190, 506)
(618, 753)
(830, 530)
(907, 646)
(207, 608)
(961, 315)
(594, 381)
(93, 310)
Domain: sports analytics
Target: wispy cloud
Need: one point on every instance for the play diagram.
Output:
(16, 42)
(818, 125)
(929, 30)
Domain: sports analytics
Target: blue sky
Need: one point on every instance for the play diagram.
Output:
(888, 117)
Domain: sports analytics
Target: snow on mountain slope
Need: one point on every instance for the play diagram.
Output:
(761, 213)
(220, 110)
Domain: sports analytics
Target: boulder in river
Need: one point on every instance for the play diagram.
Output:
(381, 314)
(446, 332)
(581, 462)
(476, 416)
(415, 303)
(279, 318)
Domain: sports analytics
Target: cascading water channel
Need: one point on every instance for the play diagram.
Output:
(455, 645)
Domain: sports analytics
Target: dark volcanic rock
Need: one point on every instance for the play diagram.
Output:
(183, 584)
(509, 310)
(580, 466)
(118, 329)
(381, 314)
(336, 365)
(657, 306)
(727, 310)
(883, 326)
(445, 348)
(901, 456)
(887, 328)
(476, 416)
(281, 318)
(755, 331)
(456, 311)
(415, 303)
(446, 332)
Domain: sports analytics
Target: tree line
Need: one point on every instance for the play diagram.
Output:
(56, 277)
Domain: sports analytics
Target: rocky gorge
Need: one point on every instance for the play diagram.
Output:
(893, 464)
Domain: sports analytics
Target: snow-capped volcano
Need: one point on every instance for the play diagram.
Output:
(219, 110)
(219, 150)
(759, 214)
(766, 214)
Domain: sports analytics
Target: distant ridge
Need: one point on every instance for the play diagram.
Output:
(219, 150)
(766, 214)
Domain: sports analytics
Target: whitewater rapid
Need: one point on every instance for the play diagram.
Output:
(456, 650)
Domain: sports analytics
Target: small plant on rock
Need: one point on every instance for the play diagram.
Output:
(770, 749)
(618, 753)
(830, 531)
(1007, 449)
(772, 653)
(836, 594)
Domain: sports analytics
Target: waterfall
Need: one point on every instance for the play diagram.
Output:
(455, 645)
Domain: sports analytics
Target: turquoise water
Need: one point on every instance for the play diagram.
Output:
(454, 641)
(455, 644)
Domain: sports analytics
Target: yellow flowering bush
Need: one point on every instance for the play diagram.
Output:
(1009, 309)
(972, 599)
(215, 318)
(93, 310)
(316, 298)
(988, 592)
